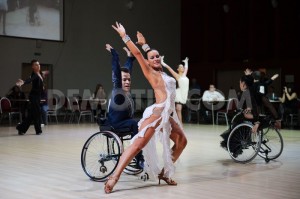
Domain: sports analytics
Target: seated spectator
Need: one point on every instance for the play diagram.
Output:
(16, 95)
(209, 96)
(98, 107)
(212, 94)
(289, 102)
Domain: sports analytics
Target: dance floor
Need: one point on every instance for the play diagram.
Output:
(48, 166)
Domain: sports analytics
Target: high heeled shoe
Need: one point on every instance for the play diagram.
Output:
(107, 188)
(169, 181)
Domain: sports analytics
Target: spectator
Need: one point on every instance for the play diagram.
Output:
(99, 106)
(289, 102)
(209, 96)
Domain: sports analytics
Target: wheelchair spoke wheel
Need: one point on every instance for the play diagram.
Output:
(100, 155)
(242, 144)
(131, 168)
(271, 144)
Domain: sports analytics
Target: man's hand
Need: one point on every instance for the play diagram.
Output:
(274, 76)
(255, 127)
(248, 71)
(45, 73)
(108, 47)
(19, 82)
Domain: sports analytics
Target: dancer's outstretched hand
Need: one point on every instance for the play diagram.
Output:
(141, 39)
(185, 60)
(248, 71)
(162, 61)
(120, 29)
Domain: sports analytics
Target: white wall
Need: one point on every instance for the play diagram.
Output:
(81, 61)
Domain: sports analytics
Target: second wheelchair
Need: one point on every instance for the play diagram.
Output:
(243, 145)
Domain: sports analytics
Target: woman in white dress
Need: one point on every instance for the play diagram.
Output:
(159, 120)
(183, 85)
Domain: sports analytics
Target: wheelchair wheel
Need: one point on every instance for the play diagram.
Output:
(271, 144)
(242, 144)
(100, 155)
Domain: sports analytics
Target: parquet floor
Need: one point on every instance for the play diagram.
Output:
(48, 166)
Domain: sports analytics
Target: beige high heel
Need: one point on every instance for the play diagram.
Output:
(169, 181)
(107, 188)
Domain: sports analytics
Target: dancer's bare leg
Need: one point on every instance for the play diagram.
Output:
(133, 150)
(179, 139)
(180, 142)
(179, 111)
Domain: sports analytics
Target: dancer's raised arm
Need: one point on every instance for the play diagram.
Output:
(186, 65)
(133, 48)
(175, 75)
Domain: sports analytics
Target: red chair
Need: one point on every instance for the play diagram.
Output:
(6, 109)
(230, 108)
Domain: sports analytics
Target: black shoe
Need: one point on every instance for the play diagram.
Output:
(20, 132)
(39, 133)
(140, 164)
(223, 144)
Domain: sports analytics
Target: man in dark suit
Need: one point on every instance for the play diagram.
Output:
(34, 112)
(121, 105)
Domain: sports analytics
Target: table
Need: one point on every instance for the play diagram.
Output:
(99, 101)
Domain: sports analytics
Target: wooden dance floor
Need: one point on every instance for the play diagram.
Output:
(48, 166)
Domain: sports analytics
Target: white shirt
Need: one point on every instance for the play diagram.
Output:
(212, 96)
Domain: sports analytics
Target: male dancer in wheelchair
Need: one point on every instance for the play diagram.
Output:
(250, 110)
(121, 105)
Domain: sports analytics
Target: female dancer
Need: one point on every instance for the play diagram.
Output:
(183, 84)
(156, 120)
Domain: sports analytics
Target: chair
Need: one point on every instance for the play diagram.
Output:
(193, 107)
(230, 108)
(67, 109)
(6, 109)
(291, 118)
(77, 108)
(53, 109)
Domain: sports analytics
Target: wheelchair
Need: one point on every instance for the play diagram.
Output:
(101, 153)
(243, 145)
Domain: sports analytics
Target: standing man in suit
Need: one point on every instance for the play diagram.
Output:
(34, 112)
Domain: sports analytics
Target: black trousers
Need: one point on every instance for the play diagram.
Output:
(34, 116)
